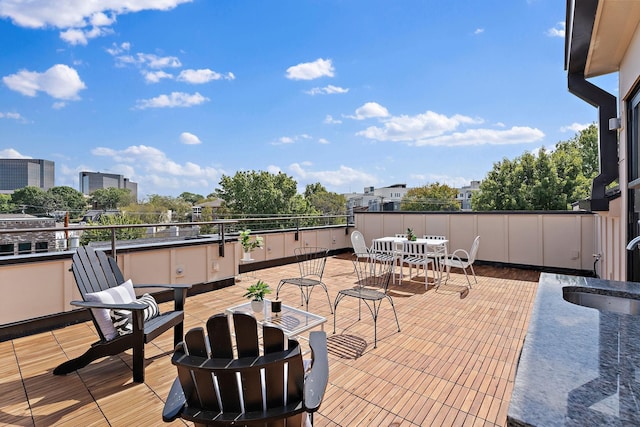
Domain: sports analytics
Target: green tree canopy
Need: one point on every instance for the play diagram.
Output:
(121, 233)
(323, 201)
(157, 208)
(257, 193)
(191, 198)
(68, 199)
(432, 197)
(111, 198)
(32, 200)
(546, 181)
(6, 206)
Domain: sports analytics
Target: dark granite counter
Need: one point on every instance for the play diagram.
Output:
(579, 366)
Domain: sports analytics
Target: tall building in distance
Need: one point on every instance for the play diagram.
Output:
(19, 173)
(92, 181)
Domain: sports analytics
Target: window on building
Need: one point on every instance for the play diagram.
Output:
(42, 247)
(24, 248)
(6, 249)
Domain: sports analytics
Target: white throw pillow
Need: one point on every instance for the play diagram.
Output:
(122, 294)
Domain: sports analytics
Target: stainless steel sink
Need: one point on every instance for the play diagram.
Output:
(611, 303)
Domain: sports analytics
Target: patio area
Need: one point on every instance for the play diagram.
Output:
(453, 363)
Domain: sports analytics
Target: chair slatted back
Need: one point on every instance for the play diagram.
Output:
(414, 250)
(311, 261)
(94, 271)
(387, 247)
(208, 372)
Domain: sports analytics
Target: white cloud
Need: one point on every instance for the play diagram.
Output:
(175, 99)
(327, 90)
(273, 169)
(311, 70)
(202, 76)
(323, 141)
(369, 110)
(155, 76)
(479, 31)
(342, 177)
(10, 153)
(557, 31)
(515, 135)
(574, 127)
(285, 140)
(81, 19)
(330, 120)
(59, 81)
(13, 116)
(189, 138)
(59, 105)
(451, 181)
(412, 128)
(151, 168)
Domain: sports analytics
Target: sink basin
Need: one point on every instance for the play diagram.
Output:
(611, 303)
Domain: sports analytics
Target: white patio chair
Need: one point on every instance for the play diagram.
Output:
(415, 254)
(383, 251)
(463, 259)
(358, 243)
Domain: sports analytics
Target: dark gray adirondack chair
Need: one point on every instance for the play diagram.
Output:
(94, 271)
(207, 391)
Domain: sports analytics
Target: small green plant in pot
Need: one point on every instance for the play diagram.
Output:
(411, 236)
(249, 244)
(256, 293)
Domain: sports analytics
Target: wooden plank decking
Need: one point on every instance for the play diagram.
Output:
(453, 363)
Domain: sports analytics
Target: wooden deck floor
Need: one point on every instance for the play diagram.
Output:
(453, 363)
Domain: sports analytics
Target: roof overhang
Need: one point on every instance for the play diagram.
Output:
(598, 34)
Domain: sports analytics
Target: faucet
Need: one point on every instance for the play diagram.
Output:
(633, 243)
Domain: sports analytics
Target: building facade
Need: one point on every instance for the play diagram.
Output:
(27, 242)
(19, 173)
(92, 181)
(465, 194)
(603, 38)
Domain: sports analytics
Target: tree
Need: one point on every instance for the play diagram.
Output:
(6, 206)
(68, 199)
(323, 201)
(542, 182)
(191, 198)
(31, 200)
(432, 197)
(121, 233)
(258, 193)
(157, 208)
(111, 198)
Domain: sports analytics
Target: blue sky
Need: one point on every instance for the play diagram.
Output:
(349, 93)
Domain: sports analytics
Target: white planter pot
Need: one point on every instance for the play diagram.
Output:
(257, 306)
(246, 256)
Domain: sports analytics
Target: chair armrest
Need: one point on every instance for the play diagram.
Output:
(164, 286)
(179, 293)
(175, 402)
(133, 306)
(316, 382)
(460, 251)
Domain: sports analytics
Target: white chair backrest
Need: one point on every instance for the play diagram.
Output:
(401, 236)
(358, 243)
(414, 249)
(474, 249)
(432, 237)
(437, 251)
(383, 246)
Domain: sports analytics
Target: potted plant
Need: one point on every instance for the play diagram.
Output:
(256, 293)
(411, 236)
(249, 244)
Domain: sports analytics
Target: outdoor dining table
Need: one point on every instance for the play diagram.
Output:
(398, 243)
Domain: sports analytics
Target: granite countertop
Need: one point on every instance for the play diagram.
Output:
(579, 366)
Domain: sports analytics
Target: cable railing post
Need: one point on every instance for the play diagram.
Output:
(221, 244)
(297, 235)
(113, 242)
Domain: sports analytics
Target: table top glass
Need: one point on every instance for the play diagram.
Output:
(293, 321)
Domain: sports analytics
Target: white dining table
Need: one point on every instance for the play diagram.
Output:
(398, 245)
